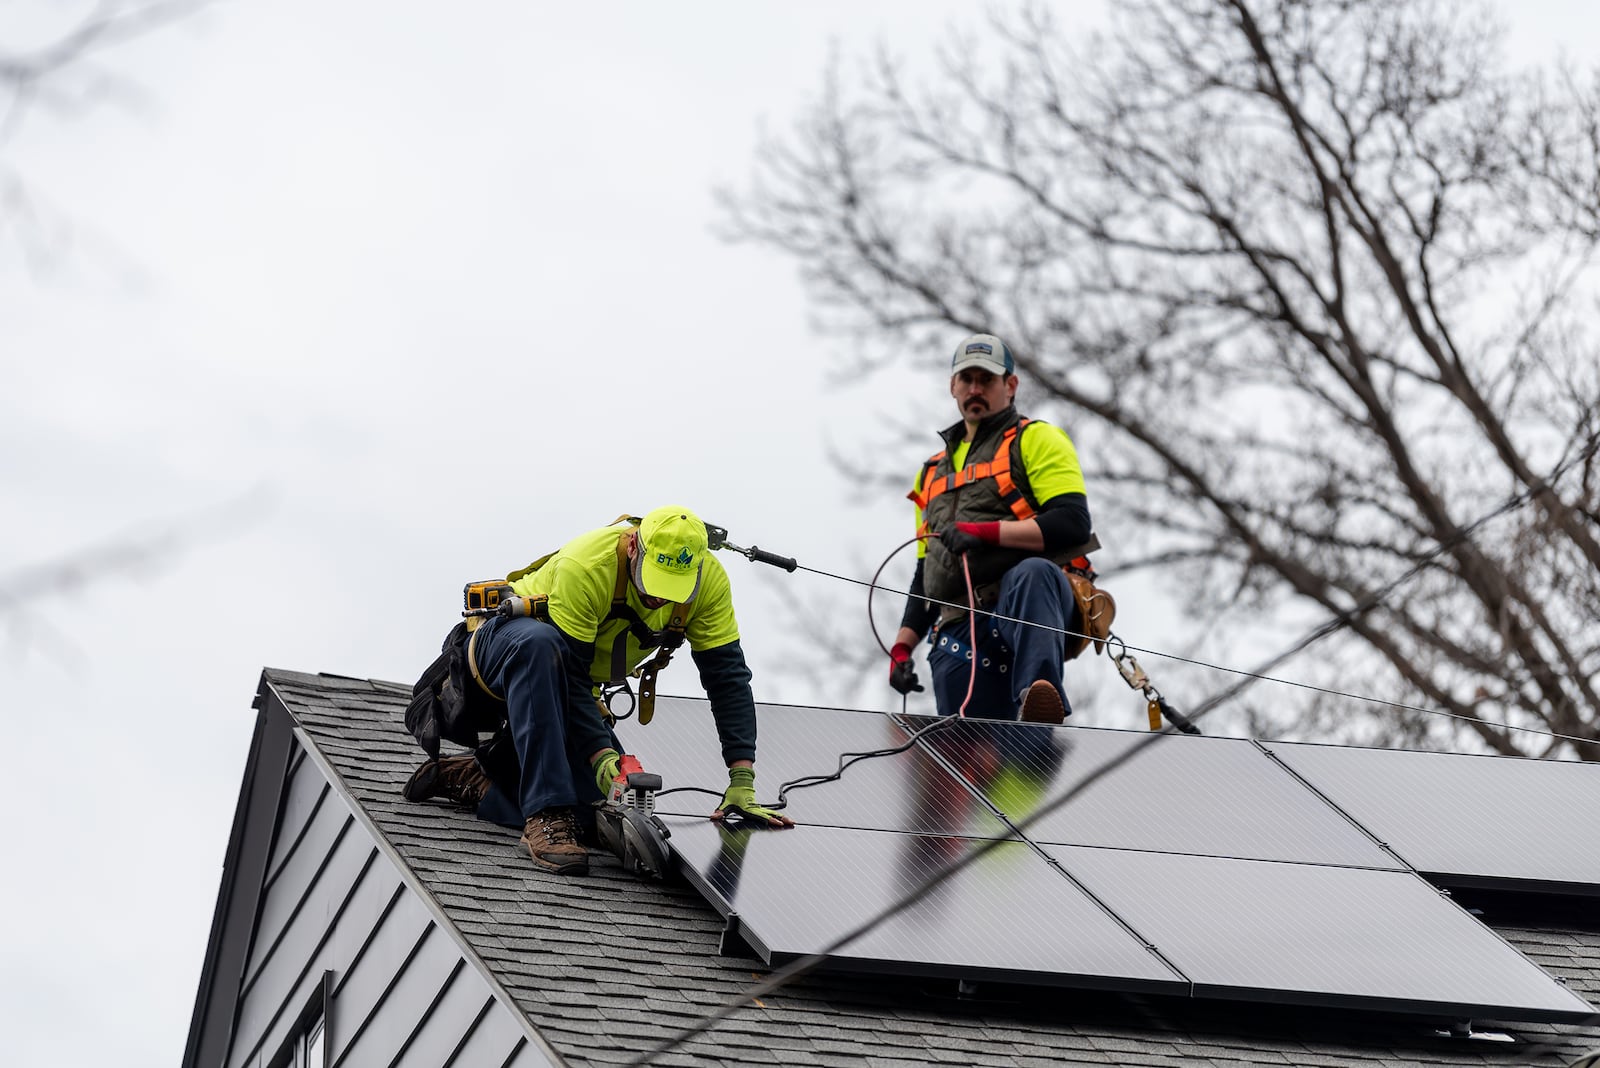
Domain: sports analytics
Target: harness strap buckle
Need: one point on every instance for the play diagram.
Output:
(647, 685)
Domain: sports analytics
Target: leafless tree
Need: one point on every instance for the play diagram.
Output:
(61, 73)
(1312, 283)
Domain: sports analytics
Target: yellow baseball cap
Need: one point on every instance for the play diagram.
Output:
(672, 546)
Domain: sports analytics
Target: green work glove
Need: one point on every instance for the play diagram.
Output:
(607, 766)
(740, 800)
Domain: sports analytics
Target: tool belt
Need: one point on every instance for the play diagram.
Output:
(449, 701)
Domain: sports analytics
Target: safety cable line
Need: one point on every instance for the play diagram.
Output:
(1250, 676)
(805, 965)
(970, 608)
(1347, 616)
(1322, 630)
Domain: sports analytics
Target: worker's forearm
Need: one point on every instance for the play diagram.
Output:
(1021, 534)
(1062, 524)
(726, 679)
(918, 615)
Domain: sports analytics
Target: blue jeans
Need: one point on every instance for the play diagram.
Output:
(1010, 656)
(525, 661)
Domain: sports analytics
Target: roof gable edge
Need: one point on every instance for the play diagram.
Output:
(412, 881)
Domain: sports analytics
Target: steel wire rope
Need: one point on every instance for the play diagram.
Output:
(1347, 616)
(1257, 675)
(1342, 619)
(802, 966)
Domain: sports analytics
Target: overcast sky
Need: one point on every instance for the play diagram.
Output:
(363, 300)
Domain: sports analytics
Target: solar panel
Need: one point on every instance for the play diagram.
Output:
(1319, 935)
(906, 791)
(1010, 915)
(1200, 865)
(1219, 797)
(1484, 820)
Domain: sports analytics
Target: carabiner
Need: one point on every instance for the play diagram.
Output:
(609, 691)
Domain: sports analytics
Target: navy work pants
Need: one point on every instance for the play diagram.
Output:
(525, 662)
(1010, 656)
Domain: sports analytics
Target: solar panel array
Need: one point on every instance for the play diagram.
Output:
(1211, 867)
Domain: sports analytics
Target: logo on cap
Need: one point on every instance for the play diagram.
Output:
(682, 562)
(979, 346)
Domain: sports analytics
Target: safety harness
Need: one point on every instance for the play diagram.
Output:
(1094, 604)
(999, 469)
(665, 641)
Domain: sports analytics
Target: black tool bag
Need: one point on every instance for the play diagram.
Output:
(447, 701)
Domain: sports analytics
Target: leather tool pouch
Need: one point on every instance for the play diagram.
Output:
(1096, 611)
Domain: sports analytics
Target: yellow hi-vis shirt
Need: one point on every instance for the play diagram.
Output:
(1048, 456)
(579, 581)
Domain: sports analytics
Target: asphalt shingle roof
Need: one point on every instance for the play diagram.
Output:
(608, 966)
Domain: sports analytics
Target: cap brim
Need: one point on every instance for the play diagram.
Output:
(675, 586)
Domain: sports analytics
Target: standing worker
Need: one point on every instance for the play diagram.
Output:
(589, 614)
(1005, 496)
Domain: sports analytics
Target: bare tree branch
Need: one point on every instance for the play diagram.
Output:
(1318, 278)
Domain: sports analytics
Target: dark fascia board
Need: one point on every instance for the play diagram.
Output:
(244, 868)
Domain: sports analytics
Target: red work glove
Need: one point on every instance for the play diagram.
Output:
(968, 536)
(902, 672)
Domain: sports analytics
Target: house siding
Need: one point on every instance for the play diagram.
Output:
(399, 992)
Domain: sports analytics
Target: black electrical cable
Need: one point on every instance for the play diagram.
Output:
(847, 759)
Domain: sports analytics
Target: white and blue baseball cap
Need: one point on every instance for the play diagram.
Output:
(984, 351)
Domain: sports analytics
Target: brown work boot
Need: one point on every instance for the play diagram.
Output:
(457, 778)
(552, 840)
(1041, 703)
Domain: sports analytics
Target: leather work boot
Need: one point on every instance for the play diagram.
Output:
(1041, 703)
(457, 778)
(552, 840)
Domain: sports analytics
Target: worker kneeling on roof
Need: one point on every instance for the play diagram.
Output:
(588, 614)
